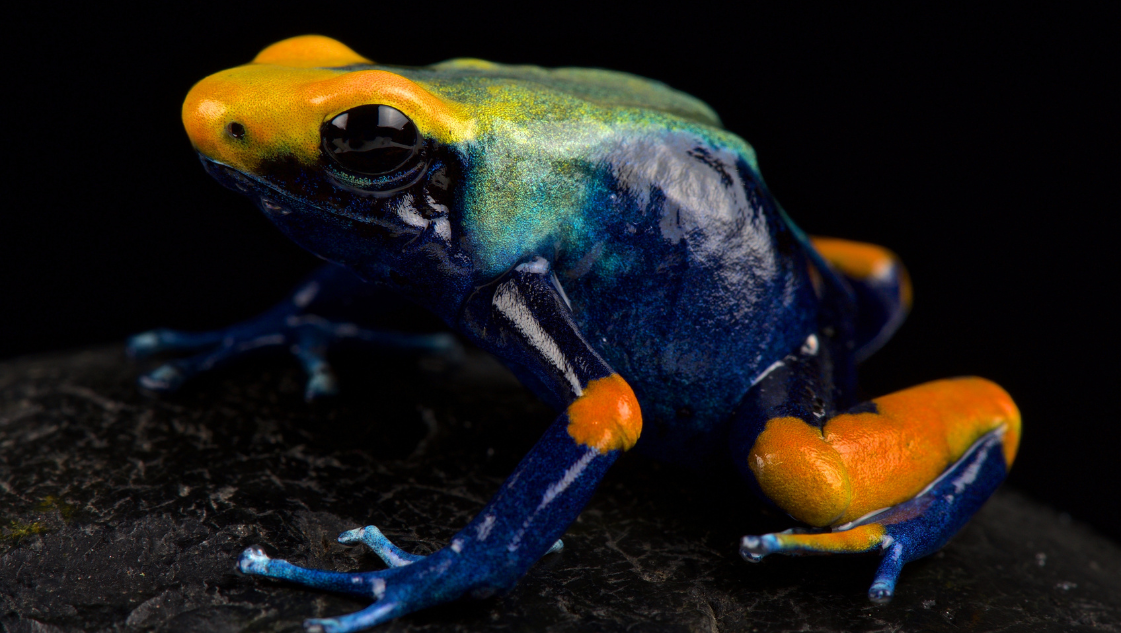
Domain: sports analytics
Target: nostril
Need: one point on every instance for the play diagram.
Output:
(236, 130)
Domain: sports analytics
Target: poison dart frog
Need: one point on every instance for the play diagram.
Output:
(607, 240)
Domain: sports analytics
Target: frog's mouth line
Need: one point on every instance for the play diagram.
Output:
(248, 184)
(270, 197)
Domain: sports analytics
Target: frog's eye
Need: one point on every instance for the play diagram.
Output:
(372, 140)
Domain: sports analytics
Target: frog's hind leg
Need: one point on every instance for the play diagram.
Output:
(898, 475)
(907, 531)
(879, 284)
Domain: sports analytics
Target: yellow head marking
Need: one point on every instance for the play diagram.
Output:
(309, 51)
(607, 416)
(282, 99)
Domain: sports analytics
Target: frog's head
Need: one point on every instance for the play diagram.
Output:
(352, 162)
(450, 173)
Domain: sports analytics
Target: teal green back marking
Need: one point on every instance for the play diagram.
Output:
(542, 135)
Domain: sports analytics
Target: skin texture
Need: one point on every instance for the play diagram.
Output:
(618, 250)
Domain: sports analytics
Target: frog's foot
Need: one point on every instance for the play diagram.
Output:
(373, 538)
(517, 527)
(540, 499)
(307, 337)
(904, 532)
(405, 593)
(384, 587)
(394, 556)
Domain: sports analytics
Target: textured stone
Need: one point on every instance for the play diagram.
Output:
(121, 512)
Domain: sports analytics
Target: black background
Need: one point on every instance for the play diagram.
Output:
(978, 143)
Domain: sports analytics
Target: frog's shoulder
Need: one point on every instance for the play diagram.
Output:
(606, 88)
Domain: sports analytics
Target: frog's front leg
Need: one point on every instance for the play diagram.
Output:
(525, 321)
(898, 475)
(305, 324)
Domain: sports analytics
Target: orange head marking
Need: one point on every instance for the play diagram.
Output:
(309, 51)
(274, 107)
(606, 416)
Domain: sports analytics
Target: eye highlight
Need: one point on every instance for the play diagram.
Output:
(372, 140)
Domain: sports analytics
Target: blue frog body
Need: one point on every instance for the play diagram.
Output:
(618, 250)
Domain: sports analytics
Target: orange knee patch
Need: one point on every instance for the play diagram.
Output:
(861, 260)
(880, 459)
(607, 416)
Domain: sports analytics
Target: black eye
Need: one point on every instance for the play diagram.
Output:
(372, 140)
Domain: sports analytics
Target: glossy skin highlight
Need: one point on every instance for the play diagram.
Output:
(614, 246)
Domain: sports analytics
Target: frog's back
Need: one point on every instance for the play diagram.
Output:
(475, 81)
(681, 268)
(694, 284)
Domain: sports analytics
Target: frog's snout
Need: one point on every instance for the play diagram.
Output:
(211, 123)
(245, 115)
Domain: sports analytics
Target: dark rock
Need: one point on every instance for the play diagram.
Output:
(120, 512)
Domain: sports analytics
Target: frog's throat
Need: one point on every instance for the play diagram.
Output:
(284, 96)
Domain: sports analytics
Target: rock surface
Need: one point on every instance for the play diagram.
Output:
(122, 512)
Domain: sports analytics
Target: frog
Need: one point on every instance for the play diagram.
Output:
(616, 248)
